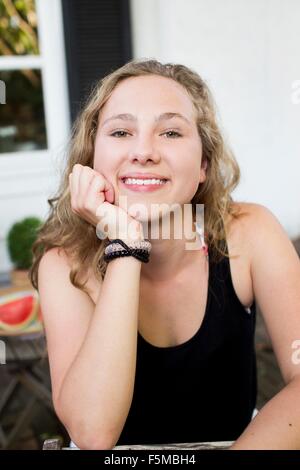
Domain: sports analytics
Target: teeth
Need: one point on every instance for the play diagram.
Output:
(142, 181)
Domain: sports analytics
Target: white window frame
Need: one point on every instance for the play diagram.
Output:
(52, 64)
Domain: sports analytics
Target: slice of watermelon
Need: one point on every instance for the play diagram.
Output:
(18, 310)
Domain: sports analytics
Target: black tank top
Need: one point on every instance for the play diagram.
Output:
(205, 388)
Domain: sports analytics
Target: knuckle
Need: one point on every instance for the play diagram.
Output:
(95, 185)
(87, 169)
(98, 177)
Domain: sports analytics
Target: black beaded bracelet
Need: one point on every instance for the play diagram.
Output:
(138, 253)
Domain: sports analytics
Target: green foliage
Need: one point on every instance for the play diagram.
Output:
(20, 239)
(18, 27)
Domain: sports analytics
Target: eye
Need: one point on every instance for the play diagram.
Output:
(170, 133)
(174, 134)
(118, 132)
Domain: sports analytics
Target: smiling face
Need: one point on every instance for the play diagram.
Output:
(155, 134)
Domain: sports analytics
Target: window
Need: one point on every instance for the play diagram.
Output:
(35, 119)
(22, 118)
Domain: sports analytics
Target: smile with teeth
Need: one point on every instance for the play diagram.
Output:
(144, 181)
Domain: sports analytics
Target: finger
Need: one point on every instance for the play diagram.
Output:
(73, 191)
(75, 180)
(95, 194)
(85, 178)
(109, 191)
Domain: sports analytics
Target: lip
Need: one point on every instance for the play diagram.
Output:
(143, 176)
(145, 188)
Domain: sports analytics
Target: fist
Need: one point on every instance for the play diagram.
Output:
(88, 190)
(92, 198)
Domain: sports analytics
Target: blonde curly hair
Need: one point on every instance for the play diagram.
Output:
(65, 229)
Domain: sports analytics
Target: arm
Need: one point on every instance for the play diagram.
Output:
(275, 271)
(92, 349)
(277, 425)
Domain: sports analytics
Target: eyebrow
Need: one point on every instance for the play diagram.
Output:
(161, 117)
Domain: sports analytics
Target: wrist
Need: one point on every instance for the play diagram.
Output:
(134, 233)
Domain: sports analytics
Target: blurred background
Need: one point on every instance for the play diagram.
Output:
(51, 54)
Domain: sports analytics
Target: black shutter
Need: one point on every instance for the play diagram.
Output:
(97, 41)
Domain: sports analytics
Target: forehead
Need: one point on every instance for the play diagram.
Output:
(146, 94)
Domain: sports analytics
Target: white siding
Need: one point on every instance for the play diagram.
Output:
(249, 54)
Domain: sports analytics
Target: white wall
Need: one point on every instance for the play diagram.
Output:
(248, 52)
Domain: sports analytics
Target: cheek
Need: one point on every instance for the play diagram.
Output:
(103, 158)
(189, 175)
(189, 190)
(189, 166)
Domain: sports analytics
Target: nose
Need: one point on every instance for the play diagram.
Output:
(143, 150)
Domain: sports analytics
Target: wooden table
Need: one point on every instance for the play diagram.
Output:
(55, 444)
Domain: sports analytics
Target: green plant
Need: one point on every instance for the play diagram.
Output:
(20, 239)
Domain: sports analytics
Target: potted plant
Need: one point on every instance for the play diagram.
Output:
(20, 239)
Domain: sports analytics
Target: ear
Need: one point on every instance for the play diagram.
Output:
(203, 171)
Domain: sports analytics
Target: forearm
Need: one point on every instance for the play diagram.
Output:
(277, 425)
(97, 391)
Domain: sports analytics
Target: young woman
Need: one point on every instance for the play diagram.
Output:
(157, 346)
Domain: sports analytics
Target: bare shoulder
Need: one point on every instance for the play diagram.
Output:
(53, 265)
(253, 226)
(242, 231)
(244, 214)
(236, 228)
(57, 260)
(61, 301)
(251, 221)
(56, 256)
(54, 270)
